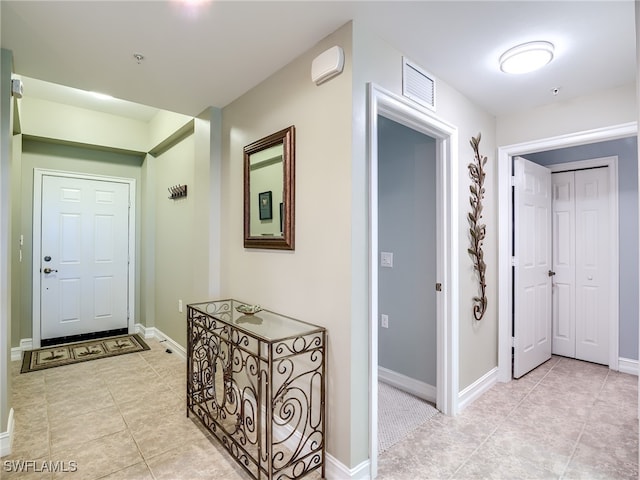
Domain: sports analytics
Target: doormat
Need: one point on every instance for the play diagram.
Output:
(70, 353)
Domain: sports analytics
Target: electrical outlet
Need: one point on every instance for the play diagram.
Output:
(384, 320)
(180, 306)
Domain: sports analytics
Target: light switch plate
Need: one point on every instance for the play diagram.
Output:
(386, 259)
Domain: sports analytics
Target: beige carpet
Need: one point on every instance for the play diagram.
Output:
(69, 353)
(399, 413)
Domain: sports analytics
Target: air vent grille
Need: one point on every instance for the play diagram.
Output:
(418, 85)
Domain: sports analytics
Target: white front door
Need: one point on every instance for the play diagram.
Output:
(84, 255)
(532, 262)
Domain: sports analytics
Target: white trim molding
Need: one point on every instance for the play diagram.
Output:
(384, 103)
(505, 153)
(6, 438)
(627, 365)
(16, 352)
(474, 391)
(146, 332)
(407, 384)
(153, 332)
(336, 470)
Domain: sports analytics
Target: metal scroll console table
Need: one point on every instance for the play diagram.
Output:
(257, 383)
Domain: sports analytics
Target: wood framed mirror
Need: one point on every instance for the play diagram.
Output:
(269, 191)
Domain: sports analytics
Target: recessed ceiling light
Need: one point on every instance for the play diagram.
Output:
(526, 57)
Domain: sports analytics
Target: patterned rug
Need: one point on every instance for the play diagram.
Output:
(69, 353)
(399, 414)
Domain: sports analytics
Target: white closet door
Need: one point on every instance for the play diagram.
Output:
(592, 265)
(564, 264)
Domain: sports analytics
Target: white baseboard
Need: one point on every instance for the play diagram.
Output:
(16, 352)
(336, 470)
(149, 332)
(153, 332)
(407, 384)
(626, 365)
(470, 394)
(6, 438)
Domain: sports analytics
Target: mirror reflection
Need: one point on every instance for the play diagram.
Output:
(266, 174)
(269, 166)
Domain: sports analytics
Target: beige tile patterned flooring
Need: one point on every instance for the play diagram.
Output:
(116, 418)
(565, 420)
(124, 418)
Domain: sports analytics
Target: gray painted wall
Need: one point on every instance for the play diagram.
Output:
(627, 151)
(407, 219)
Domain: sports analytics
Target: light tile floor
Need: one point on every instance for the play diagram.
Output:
(117, 418)
(565, 420)
(124, 418)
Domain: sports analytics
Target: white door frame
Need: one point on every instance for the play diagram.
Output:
(505, 153)
(405, 112)
(38, 174)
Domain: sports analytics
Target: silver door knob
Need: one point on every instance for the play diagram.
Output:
(49, 270)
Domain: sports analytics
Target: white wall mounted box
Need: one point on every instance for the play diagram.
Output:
(327, 65)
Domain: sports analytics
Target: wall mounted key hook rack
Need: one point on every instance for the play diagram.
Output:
(177, 191)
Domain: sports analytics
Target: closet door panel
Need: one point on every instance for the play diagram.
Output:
(592, 265)
(564, 239)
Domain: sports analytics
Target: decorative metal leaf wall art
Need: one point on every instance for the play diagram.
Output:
(477, 230)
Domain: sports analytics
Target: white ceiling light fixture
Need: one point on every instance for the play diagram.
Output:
(526, 57)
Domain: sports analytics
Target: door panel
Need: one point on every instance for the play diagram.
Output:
(85, 232)
(592, 265)
(564, 339)
(532, 289)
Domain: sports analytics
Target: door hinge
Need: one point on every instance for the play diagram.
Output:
(514, 262)
(513, 342)
(513, 181)
(438, 287)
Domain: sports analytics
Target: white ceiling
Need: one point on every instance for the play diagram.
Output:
(210, 55)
